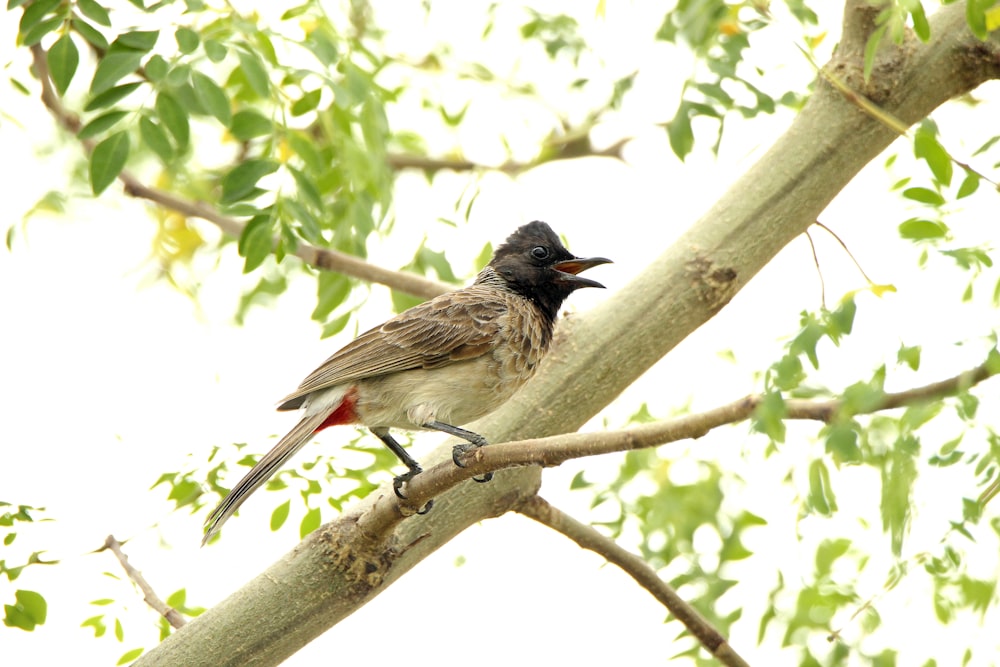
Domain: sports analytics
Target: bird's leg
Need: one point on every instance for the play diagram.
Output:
(409, 461)
(475, 441)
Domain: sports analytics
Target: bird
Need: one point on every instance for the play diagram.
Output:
(437, 365)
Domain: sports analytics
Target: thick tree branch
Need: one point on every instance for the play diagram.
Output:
(321, 258)
(149, 595)
(587, 537)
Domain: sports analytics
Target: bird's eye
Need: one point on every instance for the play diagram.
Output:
(540, 252)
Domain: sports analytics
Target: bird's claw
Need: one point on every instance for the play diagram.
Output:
(400, 480)
(397, 488)
(458, 453)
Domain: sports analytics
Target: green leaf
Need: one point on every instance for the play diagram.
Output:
(769, 416)
(924, 196)
(909, 356)
(295, 12)
(916, 229)
(40, 30)
(177, 599)
(28, 611)
(138, 40)
(307, 188)
(63, 59)
(107, 161)
(97, 623)
(402, 301)
(335, 326)
(332, 289)
(863, 397)
(112, 95)
(256, 242)
(786, 373)
(841, 320)
(248, 124)
(427, 259)
(679, 132)
(483, 258)
(262, 293)
(215, 50)
(212, 97)
(241, 182)
(113, 66)
(94, 11)
(279, 515)
(130, 656)
(310, 522)
(254, 72)
(90, 33)
(156, 138)
(842, 442)
(969, 258)
(975, 17)
(305, 149)
(821, 497)
(156, 68)
(34, 13)
(969, 185)
(899, 473)
(579, 482)
(98, 125)
(827, 554)
(187, 40)
(306, 103)
(927, 147)
(174, 118)
(119, 630)
(920, 25)
(323, 47)
(871, 49)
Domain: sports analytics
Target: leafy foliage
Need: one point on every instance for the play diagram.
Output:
(29, 609)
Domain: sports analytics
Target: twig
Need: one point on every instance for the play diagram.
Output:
(819, 270)
(555, 450)
(558, 151)
(587, 537)
(149, 595)
(321, 258)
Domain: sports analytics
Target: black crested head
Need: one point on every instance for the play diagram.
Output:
(534, 263)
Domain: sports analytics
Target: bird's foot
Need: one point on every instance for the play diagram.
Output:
(459, 452)
(400, 480)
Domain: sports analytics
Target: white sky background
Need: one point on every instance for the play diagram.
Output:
(108, 381)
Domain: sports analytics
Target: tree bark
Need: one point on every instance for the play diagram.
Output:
(338, 568)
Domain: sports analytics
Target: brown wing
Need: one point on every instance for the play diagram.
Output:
(451, 327)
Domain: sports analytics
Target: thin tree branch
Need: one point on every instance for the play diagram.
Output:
(587, 537)
(556, 150)
(321, 258)
(149, 595)
(555, 450)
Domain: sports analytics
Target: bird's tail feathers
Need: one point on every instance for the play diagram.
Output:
(291, 443)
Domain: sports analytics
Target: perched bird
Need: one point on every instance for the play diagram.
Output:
(445, 362)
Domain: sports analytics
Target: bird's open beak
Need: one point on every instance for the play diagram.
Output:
(571, 267)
